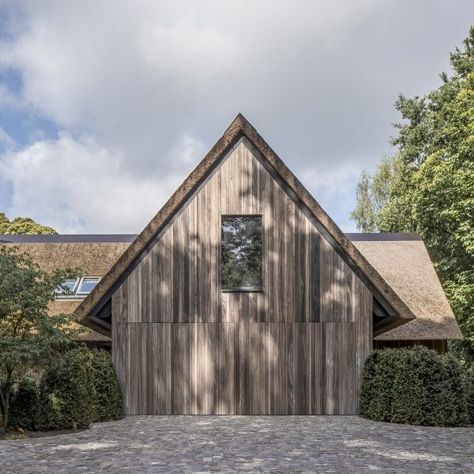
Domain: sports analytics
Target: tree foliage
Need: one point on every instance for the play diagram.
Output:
(373, 192)
(108, 404)
(29, 336)
(24, 405)
(66, 393)
(427, 185)
(22, 225)
(79, 388)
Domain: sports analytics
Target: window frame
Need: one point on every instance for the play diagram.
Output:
(85, 293)
(243, 289)
(60, 293)
(75, 294)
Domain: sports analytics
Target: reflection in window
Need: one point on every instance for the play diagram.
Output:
(87, 285)
(76, 287)
(241, 253)
(67, 287)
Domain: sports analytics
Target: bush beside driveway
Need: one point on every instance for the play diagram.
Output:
(226, 443)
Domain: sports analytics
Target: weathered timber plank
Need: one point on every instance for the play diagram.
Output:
(296, 347)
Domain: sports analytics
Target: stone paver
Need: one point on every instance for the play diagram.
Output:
(189, 443)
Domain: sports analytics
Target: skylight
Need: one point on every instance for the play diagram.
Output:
(76, 287)
(87, 284)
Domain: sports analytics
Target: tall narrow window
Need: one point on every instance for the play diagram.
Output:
(241, 253)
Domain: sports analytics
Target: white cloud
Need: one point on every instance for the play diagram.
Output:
(6, 97)
(151, 81)
(6, 141)
(334, 190)
(78, 186)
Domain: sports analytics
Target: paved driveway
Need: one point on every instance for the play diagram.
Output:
(290, 443)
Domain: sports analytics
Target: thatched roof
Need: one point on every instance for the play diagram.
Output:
(401, 259)
(93, 255)
(240, 128)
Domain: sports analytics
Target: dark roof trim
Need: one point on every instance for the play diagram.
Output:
(382, 236)
(128, 238)
(239, 128)
(66, 238)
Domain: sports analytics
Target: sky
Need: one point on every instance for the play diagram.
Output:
(106, 106)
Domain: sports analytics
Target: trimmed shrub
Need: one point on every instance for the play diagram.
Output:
(470, 394)
(378, 375)
(24, 405)
(81, 389)
(416, 386)
(107, 394)
(66, 393)
(452, 399)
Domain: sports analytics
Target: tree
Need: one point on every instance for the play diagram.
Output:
(373, 192)
(430, 189)
(29, 336)
(22, 225)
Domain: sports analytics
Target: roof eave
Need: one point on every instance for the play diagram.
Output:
(390, 323)
(92, 324)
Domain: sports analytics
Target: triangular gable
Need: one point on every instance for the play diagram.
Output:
(98, 300)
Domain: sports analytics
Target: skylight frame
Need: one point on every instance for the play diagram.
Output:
(83, 279)
(60, 292)
(75, 294)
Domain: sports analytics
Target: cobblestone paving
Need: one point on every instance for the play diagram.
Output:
(283, 444)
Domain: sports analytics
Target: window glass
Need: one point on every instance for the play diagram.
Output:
(241, 253)
(67, 287)
(87, 285)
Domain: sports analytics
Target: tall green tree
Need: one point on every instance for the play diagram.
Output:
(22, 225)
(373, 193)
(29, 336)
(427, 185)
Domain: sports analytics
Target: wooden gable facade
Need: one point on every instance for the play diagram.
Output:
(182, 345)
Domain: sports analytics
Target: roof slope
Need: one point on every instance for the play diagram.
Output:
(239, 128)
(93, 258)
(49, 252)
(407, 266)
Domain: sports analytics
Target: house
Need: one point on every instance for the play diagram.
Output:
(242, 296)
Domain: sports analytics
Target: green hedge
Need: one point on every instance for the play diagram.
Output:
(66, 393)
(82, 388)
(107, 401)
(416, 386)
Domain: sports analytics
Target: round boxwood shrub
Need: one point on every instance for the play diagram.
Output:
(24, 405)
(413, 385)
(378, 375)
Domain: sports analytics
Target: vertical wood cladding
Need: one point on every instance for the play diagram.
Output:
(181, 345)
(242, 368)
